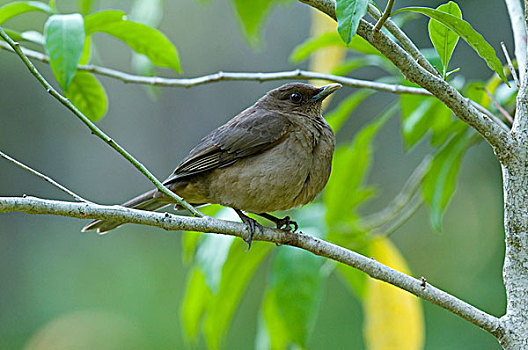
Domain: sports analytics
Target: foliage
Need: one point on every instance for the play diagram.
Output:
(219, 268)
(67, 39)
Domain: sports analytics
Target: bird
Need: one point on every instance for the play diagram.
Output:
(275, 155)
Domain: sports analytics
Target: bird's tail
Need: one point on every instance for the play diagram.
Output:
(146, 201)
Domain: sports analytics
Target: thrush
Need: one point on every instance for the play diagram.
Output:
(274, 155)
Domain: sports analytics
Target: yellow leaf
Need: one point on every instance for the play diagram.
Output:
(393, 317)
(325, 59)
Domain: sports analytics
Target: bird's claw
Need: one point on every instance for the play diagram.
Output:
(286, 224)
(252, 225)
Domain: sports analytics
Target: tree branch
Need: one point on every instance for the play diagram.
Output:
(374, 269)
(493, 133)
(518, 25)
(403, 205)
(95, 130)
(44, 177)
(403, 39)
(231, 76)
(248, 76)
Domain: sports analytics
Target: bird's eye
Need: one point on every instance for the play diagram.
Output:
(296, 97)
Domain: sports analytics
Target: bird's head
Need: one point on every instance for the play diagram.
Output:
(298, 98)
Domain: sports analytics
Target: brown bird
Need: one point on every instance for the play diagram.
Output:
(275, 155)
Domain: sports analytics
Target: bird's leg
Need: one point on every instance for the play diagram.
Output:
(284, 224)
(251, 224)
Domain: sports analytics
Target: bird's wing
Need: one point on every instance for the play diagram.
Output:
(249, 133)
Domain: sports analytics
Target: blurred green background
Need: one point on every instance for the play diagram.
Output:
(123, 290)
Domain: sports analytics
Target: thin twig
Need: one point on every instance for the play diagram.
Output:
(374, 269)
(95, 130)
(510, 64)
(402, 200)
(44, 177)
(248, 76)
(518, 26)
(499, 107)
(385, 16)
(494, 133)
(232, 76)
(403, 39)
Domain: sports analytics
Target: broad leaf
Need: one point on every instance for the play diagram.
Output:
(440, 181)
(338, 116)
(88, 95)
(237, 271)
(444, 40)
(64, 39)
(364, 61)
(466, 32)
(393, 317)
(345, 189)
(416, 117)
(211, 256)
(85, 6)
(354, 279)
(16, 8)
(86, 54)
(251, 14)
(194, 304)
(148, 12)
(305, 49)
(349, 13)
(140, 37)
(272, 332)
(295, 288)
(29, 36)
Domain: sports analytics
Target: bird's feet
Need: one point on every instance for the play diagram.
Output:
(285, 224)
(251, 224)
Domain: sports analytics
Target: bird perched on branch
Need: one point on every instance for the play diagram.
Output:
(275, 155)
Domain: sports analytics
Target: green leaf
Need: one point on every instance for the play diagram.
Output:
(191, 239)
(338, 116)
(148, 12)
(16, 8)
(211, 256)
(349, 13)
(88, 95)
(31, 36)
(85, 6)
(194, 303)
(364, 61)
(64, 40)
(251, 14)
(140, 37)
(466, 32)
(416, 117)
(444, 40)
(305, 49)
(345, 189)
(86, 51)
(272, 332)
(440, 181)
(296, 282)
(354, 279)
(237, 270)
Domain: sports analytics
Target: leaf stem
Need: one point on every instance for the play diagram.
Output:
(385, 16)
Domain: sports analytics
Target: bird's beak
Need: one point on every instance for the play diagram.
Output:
(326, 91)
